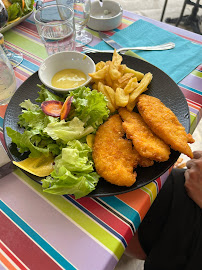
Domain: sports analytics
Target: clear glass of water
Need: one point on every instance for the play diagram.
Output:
(7, 79)
(56, 28)
(82, 9)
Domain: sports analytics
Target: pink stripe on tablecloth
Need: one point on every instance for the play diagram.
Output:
(29, 25)
(191, 95)
(193, 82)
(193, 104)
(158, 181)
(23, 247)
(67, 231)
(199, 68)
(106, 216)
(12, 257)
(32, 35)
(193, 110)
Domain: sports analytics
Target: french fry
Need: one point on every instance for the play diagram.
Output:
(116, 59)
(120, 85)
(141, 87)
(131, 105)
(137, 74)
(131, 85)
(108, 79)
(108, 63)
(113, 72)
(101, 88)
(121, 98)
(100, 65)
(115, 85)
(111, 94)
(95, 86)
(111, 107)
(125, 77)
(122, 69)
(100, 74)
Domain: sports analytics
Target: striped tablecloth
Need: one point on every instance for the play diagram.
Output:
(43, 231)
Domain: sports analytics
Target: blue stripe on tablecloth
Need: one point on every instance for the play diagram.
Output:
(1, 122)
(189, 88)
(36, 238)
(120, 206)
(29, 66)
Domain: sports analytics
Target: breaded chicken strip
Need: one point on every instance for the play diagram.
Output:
(145, 162)
(113, 156)
(144, 140)
(142, 161)
(165, 124)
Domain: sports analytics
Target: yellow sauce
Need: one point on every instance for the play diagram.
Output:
(68, 78)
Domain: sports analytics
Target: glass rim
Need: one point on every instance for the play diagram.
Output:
(54, 5)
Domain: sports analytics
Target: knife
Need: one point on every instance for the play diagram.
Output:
(110, 41)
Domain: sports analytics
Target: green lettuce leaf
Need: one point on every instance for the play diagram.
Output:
(68, 131)
(76, 157)
(24, 142)
(28, 6)
(66, 183)
(73, 172)
(45, 94)
(90, 106)
(14, 11)
(34, 118)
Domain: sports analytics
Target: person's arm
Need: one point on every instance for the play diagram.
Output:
(193, 178)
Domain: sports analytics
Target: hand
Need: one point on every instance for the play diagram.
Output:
(193, 178)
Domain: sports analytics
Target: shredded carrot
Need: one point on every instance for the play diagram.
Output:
(23, 4)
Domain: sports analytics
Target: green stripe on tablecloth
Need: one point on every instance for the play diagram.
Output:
(72, 212)
(197, 73)
(193, 122)
(26, 44)
(130, 53)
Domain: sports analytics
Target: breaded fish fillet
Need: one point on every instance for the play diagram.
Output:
(144, 140)
(113, 155)
(164, 123)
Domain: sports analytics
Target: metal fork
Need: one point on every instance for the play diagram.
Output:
(166, 46)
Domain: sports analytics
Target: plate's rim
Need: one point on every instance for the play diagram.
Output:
(118, 192)
(11, 25)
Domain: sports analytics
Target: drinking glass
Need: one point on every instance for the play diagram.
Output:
(82, 9)
(7, 79)
(55, 25)
(13, 55)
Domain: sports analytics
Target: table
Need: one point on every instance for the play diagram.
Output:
(43, 231)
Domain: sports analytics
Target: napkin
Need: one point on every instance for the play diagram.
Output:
(177, 62)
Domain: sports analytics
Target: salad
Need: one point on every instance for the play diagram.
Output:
(65, 140)
(18, 8)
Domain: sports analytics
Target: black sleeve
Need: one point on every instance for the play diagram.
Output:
(171, 232)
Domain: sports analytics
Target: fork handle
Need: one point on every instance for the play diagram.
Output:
(166, 46)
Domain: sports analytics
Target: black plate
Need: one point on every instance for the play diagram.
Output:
(162, 87)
